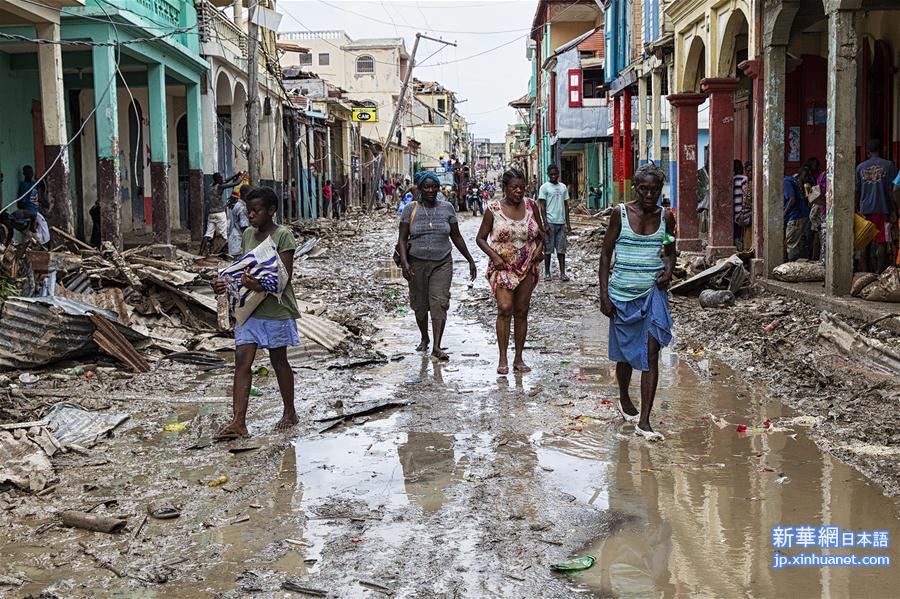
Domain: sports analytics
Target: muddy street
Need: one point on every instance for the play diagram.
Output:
(471, 486)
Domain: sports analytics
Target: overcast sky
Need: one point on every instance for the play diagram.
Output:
(489, 82)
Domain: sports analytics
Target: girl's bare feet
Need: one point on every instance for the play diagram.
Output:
(423, 346)
(521, 367)
(232, 430)
(287, 421)
(439, 354)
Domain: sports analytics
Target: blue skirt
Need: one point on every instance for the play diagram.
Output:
(266, 334)
(635, 321)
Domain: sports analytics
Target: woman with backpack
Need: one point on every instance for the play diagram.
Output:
(427, 228)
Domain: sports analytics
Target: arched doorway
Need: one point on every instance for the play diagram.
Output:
(181, 148)
(136, 144)
(694, 66)
(732, 52)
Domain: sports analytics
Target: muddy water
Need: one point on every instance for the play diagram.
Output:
(703, 504)
(698, 509)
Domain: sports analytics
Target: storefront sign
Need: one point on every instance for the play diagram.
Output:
(365, 115)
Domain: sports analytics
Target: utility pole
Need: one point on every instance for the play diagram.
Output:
(253, 94)
(381, 159)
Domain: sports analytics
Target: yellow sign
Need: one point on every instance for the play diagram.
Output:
(365, 115)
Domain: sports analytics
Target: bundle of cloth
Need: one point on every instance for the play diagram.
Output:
(261, 263)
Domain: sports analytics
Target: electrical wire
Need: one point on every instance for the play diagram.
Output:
(424, 18)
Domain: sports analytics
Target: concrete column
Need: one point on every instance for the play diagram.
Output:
(617, 149)
(840, 151)
(656, 115)
(673, 138)
(209, 131)
(53, 113)
(627, 146)
(685, 106)
(238, 136)
(721, 164)
(642, 120)
(195, 161)
(754, 69)
(238, 10)
(773, 157)
(159, 152)
(103, 60)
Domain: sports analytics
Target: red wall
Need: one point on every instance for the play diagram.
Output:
(806, 87)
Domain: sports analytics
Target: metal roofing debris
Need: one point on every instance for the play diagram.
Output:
(72, 423)
(326, 333)
(115, 344)
(40, 330)
(23, 462)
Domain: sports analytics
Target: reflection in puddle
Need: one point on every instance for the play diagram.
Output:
(705, 501)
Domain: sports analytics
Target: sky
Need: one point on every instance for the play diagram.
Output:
(487, 82)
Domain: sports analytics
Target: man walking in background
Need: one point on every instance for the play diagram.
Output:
(554, 200)
(217, 220)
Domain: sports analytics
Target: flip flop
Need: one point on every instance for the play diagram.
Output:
(625, 416)
(522, 368)
(163, 510)
(503, 370)
(228, 435)
(441, 356)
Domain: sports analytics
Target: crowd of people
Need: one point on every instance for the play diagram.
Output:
(877, 201)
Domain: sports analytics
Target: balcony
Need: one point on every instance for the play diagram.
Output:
(219, 36)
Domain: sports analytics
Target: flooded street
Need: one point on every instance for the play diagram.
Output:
(473, 489)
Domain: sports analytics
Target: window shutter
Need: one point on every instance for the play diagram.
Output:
(574, 85)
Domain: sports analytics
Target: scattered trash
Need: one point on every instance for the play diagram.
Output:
(575, 565)
(26, 378)
(217, 482)
(782, 479)
(174, 427)
(261, 371)
(97, 523)
(371, 584)
(255, 391)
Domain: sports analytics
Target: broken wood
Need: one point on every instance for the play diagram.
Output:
(113, 255)
(86, 521)
(74, 240)
(111, 341)
(365, 409)
(853, 343)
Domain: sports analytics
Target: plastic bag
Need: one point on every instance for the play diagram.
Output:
(262, 263)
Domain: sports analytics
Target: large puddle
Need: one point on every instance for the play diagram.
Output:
(700, 507)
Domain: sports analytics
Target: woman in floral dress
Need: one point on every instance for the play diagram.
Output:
(511, 235)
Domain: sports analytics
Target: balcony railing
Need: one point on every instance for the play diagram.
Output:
(219, 36)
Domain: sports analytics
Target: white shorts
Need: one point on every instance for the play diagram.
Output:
(217, 222)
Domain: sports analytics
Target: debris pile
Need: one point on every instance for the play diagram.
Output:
(728, 274)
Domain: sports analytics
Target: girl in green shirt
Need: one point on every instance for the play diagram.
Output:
(272, 325)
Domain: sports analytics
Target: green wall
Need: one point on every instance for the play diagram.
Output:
(16, 133)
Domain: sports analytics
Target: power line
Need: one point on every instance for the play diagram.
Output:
(428, 28)
(23, 38)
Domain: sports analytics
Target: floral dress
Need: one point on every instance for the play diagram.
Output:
(517, 242)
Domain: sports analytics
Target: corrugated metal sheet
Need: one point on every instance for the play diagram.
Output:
(594, 43)
(326, 333)
(35, 331)
(72, 423)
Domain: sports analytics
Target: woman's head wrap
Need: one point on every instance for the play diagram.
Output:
(422, 176)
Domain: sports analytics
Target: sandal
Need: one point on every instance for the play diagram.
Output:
(648, 435)
(163, 511)
(625, 416)
(228, 435)
(521, 368)
(440, 355)
(503, 370)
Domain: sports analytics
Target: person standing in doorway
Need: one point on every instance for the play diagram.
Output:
(237, 222)
(634, 292)
(703, 196)
(554, 201)
(327, 196)
(874, 178)
(796, 218)
(217, 220)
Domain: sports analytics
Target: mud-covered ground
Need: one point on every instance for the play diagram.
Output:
(482, 482)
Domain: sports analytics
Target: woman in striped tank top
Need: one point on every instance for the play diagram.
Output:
(635, 272)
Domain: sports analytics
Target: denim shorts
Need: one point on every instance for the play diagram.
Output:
(555, 242)
(266, 334)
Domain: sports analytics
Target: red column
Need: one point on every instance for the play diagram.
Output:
(686, 166)
(721, 164)
(627, 149)
(617, 147)
(754, 68)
